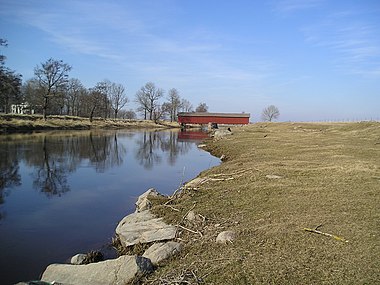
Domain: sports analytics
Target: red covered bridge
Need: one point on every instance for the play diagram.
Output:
(216, 118)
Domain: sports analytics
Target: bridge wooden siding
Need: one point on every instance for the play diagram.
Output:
(218, 118)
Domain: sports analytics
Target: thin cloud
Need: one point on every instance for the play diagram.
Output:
(290, 6)
(354, 42)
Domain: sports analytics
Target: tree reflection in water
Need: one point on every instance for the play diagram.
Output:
(104, 151)
(70, 165)
(167, 142)
(62, 156)
(9, 172)
(146, 154)
(50, 176)
(53, 156)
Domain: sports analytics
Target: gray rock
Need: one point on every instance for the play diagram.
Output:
(196, 182)
(221, 133)
(193, 217)
(226, 236)
(143, 202)
(161, 251)
(122, 270)
(78, 259)
(143, 227)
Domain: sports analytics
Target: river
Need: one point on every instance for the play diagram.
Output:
(63, 193)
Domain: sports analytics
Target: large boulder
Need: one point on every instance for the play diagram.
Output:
(143, 227)
(221, 133)
(161, 251)
(143, 202)
(122, 270)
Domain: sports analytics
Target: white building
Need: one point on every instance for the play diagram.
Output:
(23, 108)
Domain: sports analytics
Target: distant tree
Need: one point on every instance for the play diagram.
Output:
(10, 83)
(10, 88)
(3, 43)
(31, 92)
(202, 107)
(270, 113)
(74, 91)
(117, 98)
(127, 114)
(96, 101)
(166, 110)
(173, 104)
(147, 99)
(143, 103)
(104, 87)
(52, 77)
(186, 106)
(159, 112)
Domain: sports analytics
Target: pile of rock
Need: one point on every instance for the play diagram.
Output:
(140, 227)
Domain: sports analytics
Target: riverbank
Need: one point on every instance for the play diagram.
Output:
(277, 180)
(27, 123)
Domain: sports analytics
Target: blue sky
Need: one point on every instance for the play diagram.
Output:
(313, 59)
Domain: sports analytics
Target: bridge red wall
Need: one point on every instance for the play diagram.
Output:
(213, 119)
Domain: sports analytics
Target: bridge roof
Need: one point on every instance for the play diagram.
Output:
(206, 114)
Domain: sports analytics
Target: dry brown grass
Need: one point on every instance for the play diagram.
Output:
(330, 177)
(22, 123)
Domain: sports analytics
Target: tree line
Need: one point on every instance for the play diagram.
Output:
(52, 92)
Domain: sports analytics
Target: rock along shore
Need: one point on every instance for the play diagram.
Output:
(138, 228)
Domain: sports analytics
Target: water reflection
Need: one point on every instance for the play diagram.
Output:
(104, 151)
(151, 144)
(9, 174)
(54, 156)
(146, 154)
(97, 176)
(50, 170)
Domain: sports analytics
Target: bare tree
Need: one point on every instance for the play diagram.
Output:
(147, 99)
(74, 91)
(159, 112)
(104, 87)
(10, 88)
(202, 107)
(173, 104)
(10, 83)
(143, 103)
(127, 114)
(186, 106)
(95, 99)
(117, 97)
(52, 76)
(270, 113)
(31, 92)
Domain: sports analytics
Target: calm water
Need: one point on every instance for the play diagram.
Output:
(63, 193)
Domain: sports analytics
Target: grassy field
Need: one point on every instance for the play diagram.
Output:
(328, 177)
(22, 123)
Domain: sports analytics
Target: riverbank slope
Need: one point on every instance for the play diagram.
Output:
(25, 123)
(276, 180)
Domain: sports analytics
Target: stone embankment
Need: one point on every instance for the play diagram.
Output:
(140, 227)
